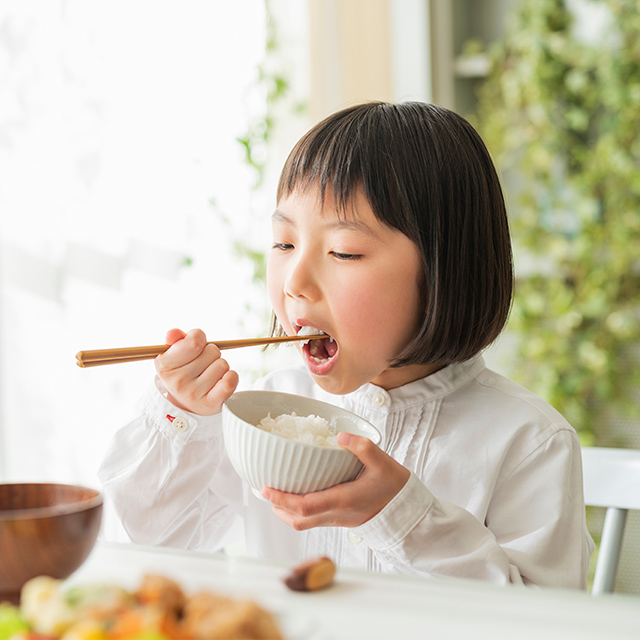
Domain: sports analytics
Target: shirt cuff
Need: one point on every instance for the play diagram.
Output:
(394, 523)
(177, 424)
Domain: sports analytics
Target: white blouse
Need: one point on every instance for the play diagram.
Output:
(495, 492)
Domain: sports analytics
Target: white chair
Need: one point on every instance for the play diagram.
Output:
(611, 480)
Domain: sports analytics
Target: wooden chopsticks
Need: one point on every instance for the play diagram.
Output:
(98, 357)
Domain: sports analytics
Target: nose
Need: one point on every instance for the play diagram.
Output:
(301, 279)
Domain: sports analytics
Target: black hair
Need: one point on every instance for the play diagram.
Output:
(426, 172)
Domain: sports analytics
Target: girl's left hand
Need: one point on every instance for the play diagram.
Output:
(345, 505)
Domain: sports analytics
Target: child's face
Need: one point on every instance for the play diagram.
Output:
(355, 279)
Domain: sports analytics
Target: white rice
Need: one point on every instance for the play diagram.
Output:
(308, 429)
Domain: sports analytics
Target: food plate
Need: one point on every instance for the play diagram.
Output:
(158, 609)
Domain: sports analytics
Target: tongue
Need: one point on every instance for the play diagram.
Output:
(323, 349)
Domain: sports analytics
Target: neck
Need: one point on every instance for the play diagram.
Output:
(393, 378)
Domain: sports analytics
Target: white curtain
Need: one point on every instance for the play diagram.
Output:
(119, 164)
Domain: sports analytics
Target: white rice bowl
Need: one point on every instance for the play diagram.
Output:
(294, 451)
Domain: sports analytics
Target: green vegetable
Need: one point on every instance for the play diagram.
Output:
(11, 622)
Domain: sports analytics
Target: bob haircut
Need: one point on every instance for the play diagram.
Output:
(424, 171)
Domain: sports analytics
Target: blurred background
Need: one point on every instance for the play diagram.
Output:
(140, 145)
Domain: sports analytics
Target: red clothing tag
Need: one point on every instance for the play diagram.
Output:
(170, 418)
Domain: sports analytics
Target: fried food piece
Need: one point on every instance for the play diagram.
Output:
(161, 592)
(140, 621)
(216, 617)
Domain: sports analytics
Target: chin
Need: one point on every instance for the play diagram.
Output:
(336, 387)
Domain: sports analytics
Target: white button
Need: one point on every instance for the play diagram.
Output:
(354, 538)
(180, 424)
(379, 400)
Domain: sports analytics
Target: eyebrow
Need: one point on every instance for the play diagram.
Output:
(351, 224)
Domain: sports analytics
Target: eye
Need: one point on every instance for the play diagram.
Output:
(282, 246)
(346, 256)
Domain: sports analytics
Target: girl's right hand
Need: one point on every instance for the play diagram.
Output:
(196, 377)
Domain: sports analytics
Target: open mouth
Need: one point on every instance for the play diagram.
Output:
(319, 350)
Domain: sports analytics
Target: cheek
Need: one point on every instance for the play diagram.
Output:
(274, 285)
(364, 308)
(381, 309)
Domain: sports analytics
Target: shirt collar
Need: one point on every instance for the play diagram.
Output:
(436, 385)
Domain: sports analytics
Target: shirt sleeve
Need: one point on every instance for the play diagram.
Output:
(534, 533)
(167, 477)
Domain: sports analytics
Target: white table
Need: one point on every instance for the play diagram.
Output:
(369, 606)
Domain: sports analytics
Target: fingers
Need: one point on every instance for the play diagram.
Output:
(222, 390)
(363, 448)
(185, 347)
(318, 509)
(350, 504)
(196, 377)
(174, 335)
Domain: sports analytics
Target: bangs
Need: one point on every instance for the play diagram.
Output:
(346, 153)
(329, 158)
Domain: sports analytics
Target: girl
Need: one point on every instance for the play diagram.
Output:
(391, 236)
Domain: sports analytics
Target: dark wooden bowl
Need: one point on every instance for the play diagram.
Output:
(45, 529)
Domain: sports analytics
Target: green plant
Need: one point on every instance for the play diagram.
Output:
(560, 111)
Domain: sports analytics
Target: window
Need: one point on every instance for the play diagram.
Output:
(119, 162)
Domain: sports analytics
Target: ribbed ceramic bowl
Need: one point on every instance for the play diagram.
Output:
(45, 529)
(263, 459)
